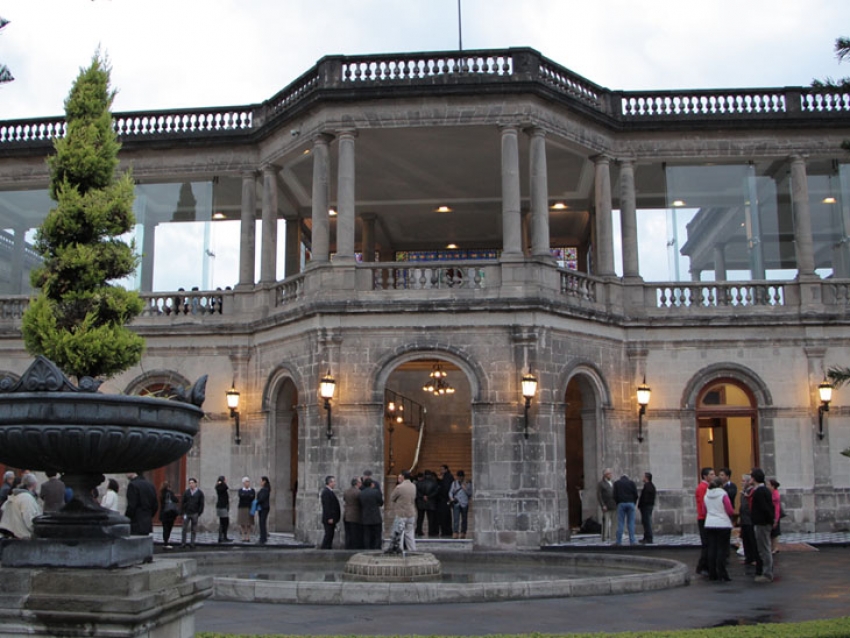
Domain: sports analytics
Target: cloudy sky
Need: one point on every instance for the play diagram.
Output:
(187, 53)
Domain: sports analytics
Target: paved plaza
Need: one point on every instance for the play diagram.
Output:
(811, 582)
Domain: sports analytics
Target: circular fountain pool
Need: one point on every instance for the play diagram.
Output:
(313, 577)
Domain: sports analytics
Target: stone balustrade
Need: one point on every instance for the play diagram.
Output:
(482, 281)
(510, 69)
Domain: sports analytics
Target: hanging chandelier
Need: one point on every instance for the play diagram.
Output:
(436, 383)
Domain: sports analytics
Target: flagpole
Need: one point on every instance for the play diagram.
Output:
(459, 29)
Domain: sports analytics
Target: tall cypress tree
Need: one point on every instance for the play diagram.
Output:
(79, 319)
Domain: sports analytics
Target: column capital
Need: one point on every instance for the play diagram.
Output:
(269, 167)
(346, 132)
(532, 130)
(601, 158)
(797, 158)
(628, 160)
(249, 173)
(513, 125)
(323, 138)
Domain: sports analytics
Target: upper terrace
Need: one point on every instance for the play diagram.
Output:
(736, 267)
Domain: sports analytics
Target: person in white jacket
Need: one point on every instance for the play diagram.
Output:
(718, 529)
(20, 508)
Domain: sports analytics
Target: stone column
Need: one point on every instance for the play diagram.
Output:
(802, 218)
(16, 278)
(628, 220)
(367, 235)
(539, 194)
(511, 220)
(292, 260)
(604, 226)
(268, 249)
(720, 262)
(345, 198)
(321, 221)
(247, 230)
(148, 253)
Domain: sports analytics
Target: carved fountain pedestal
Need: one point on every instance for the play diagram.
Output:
(83, 574)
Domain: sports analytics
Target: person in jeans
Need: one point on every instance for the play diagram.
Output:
(763, 514)
(625, 495)
(459, 494)
(191, 508)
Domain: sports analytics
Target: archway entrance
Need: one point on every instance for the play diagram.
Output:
(580, 450)
(727, 427)
(285, 475)
(433, 427)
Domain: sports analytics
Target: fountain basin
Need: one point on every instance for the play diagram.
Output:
(311, 577)
(376, 567)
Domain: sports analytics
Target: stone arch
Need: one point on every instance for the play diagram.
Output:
(725, 370)
(281, 401)
(161, 377)
(471, 369)
(738, 374)
(583, 434)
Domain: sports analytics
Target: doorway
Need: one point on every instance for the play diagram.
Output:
(285, 475)
(727, 428)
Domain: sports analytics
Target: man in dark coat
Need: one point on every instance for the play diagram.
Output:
(330, 512)
(191, 507)
(426, 503)
(371, 520)
(142, 504)
(646, 503)
(763, 514)
(351, 515)
(444, 511)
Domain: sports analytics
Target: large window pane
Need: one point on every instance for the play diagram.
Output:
(21, 212)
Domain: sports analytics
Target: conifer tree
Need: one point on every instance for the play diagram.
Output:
(79, 319)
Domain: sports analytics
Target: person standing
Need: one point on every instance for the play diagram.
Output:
(646, 503)
(6, 488)
(426, 504)
(330, 511)
(109, 500)
(776, 532)
(706, 477)
(222, 508)
(763, 514)
(444, 512)
(605, 497)
(725, 474)
(244, 518)
(351, 515)
(52, 492)
(191, 507)
(748, 535)
(21, 508)
(718, 529)
(371, 501)
(459, 495)
(264, 507)
(168, 512)
(625, 495)
(142, 504)
(403, 499)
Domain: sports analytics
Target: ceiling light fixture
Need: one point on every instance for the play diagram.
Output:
(443, 209)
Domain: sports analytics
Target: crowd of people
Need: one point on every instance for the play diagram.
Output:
(758, 518)
(436, 504)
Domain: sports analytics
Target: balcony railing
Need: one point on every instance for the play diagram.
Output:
(476, 282)
(509, 70)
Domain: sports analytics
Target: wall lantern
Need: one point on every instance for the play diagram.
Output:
(643, 394)
(529, 389)
(233, 403)
(825, 395)
(326, 389)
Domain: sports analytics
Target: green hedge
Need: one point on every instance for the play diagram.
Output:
(832, 628)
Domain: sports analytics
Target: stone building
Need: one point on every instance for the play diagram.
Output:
(492, 216)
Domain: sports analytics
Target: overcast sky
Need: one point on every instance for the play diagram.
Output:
(199, 53)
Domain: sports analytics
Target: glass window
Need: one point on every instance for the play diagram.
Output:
(829, 203)
(715, 222)
(21, 212)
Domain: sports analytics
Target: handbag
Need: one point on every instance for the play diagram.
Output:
(170, 505)
(254, 507)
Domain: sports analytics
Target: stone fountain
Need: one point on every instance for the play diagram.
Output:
(393, 565)
(83, 574)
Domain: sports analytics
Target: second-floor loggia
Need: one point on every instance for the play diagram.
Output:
(510, 178)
